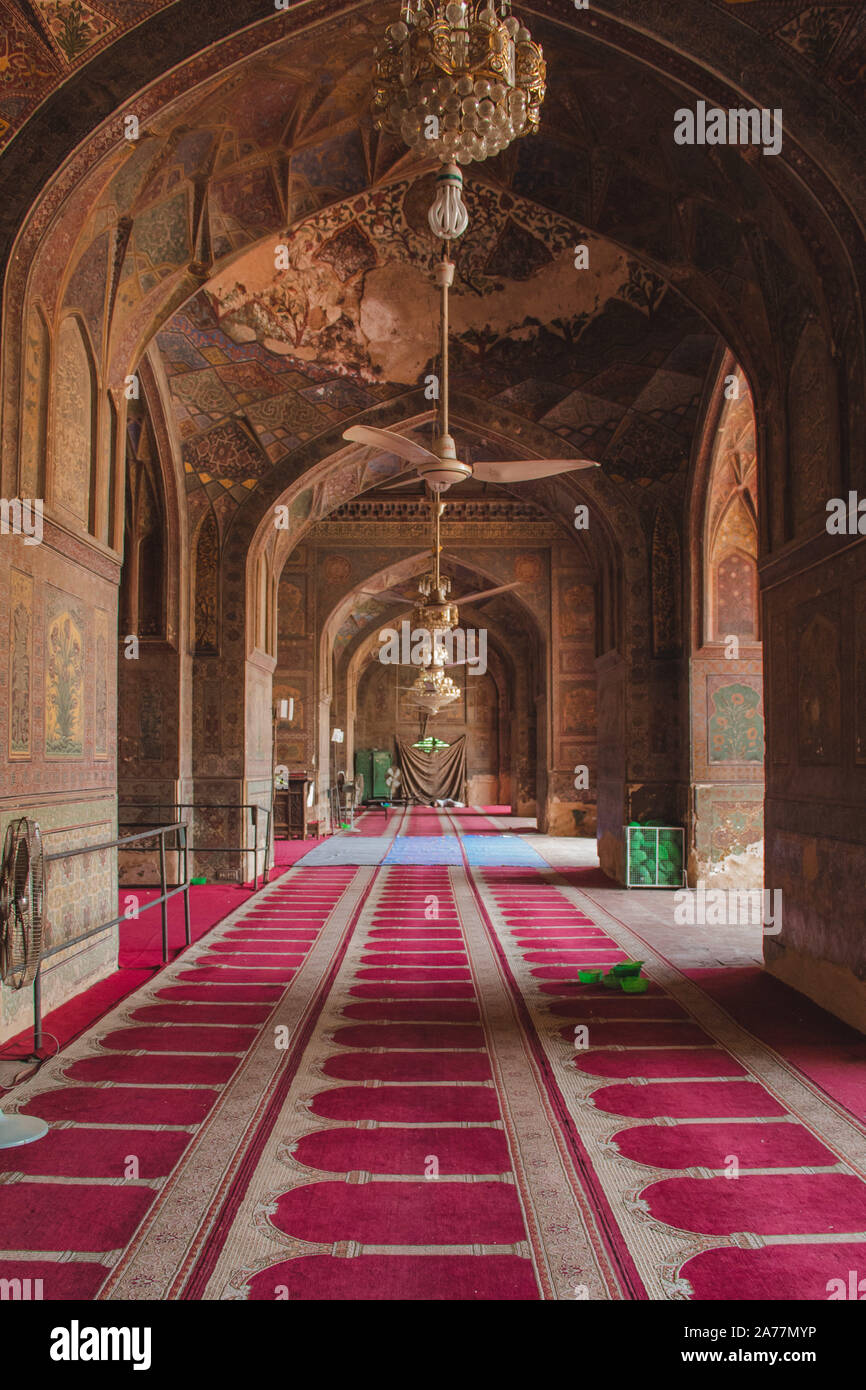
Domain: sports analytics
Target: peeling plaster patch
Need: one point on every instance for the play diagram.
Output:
(398, 320)
(744, 870)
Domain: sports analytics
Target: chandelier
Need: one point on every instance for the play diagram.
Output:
(433, 690)
(458, 81)
(434, 611)
(436, 615)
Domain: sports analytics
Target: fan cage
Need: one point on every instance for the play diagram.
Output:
(654, 856)
(21, 903)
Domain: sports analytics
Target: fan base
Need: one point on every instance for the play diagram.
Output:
(20, 1129)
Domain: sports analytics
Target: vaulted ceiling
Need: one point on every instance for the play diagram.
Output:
(265, 139)
(44, 44)
(607, 361)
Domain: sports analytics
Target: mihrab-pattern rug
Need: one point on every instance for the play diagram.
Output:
(366, 1084)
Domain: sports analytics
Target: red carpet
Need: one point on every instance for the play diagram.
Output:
(191, 1047)
(655, 1062)
(780, 1273)
(140, 949)
(821, 1046)
(402, 1213)
(405, 1150)
(671, 1074)
(710, 1145)
(436, 1277)
(335, 1096)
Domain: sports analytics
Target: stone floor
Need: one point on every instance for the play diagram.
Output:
(649, 911)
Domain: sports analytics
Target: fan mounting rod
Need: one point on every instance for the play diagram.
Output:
(450, 469)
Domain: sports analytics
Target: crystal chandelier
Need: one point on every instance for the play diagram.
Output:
(432, 690)
(458, 81)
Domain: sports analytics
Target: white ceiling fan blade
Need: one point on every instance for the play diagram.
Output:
(390, 441)
(411, 481)
(526, 470)
(386, 596)
(487, 593)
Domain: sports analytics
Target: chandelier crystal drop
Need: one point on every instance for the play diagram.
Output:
(458, 81)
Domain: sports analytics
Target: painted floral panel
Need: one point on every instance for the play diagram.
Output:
(64, 677)
(20, 664)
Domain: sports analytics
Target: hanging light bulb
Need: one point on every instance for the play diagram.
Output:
(448, 217)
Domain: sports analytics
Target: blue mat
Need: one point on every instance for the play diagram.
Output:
(484, 851)
(425, 849)
(348, 849)
(502, 851)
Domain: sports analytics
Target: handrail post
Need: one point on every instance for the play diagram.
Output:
(37, 1009)
(266, 874)
(163, 890)
(255, 811)
(186, 921)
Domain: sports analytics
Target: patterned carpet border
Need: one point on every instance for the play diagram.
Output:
(562, 1242)
(158, 1260)
(659, 1250)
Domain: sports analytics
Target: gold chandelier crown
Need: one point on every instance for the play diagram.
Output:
(457, 80)
(435, 612)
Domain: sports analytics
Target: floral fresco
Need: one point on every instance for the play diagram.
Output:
(73, 25)
(64, 678)
(102, 648)
(735, 730)
(20, 664)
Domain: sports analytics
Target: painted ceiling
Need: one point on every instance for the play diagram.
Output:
(285, 136)
(605, 359)
(171, 240)
(44, 42)
(734, 476)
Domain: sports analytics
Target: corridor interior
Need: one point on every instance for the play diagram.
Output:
(381, 1078)
(331, 330)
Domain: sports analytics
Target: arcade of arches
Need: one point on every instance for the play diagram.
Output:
(681, 625)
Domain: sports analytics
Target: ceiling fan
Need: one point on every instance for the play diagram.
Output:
(425, 590)
(433, 606)
(440, 467)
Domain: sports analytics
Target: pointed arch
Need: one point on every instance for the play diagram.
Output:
(35, 392)
(71, 482)
(143, 585)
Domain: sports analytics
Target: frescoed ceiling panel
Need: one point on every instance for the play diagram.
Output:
(608, 363)
(353, 321)
(47, 40)
(288, 132)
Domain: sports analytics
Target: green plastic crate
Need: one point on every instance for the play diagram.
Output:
(654, 856)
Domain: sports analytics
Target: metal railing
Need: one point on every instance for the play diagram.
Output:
(176, 807)
(162, 902)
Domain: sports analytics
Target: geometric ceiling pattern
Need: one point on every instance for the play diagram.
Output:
(606, 358)
(607, 362)
(43, 41)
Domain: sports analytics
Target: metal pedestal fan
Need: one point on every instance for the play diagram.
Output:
(22, 889)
